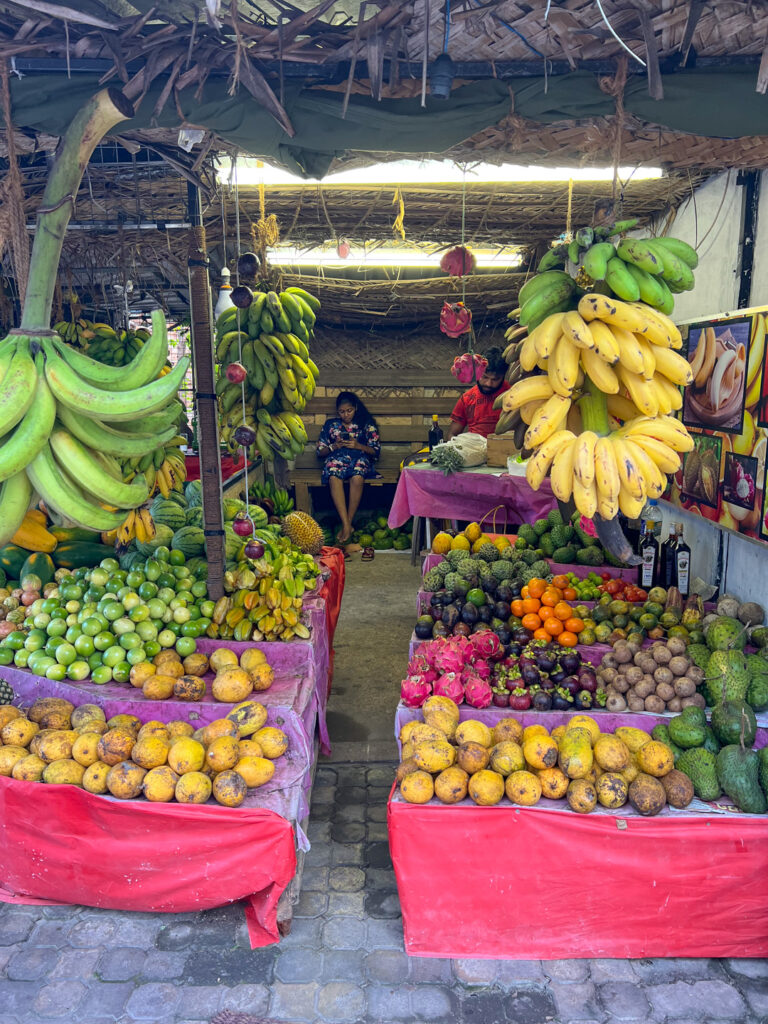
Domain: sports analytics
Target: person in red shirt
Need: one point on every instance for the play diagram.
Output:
(474, 411)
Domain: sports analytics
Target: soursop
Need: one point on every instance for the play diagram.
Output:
(727, 677)
(725, 633)
(504, 570)
(700, 766)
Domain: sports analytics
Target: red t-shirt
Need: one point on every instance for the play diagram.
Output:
(475, 412)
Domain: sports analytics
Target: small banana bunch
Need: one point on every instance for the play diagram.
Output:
(164, 468)
(262, 350)
(273, 499)
(648, 270)
(137, 525)
(77, 332)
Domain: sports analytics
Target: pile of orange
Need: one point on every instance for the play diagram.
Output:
(543, 608)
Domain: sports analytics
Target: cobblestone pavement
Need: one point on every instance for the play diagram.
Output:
(344, 959)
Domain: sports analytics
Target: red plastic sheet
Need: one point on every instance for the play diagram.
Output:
(229, 466)
(101, 852)
(522, 882)
(332, 592)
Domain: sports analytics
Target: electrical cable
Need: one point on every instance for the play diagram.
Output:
(447, 25)
(618, 39)
(511, 28)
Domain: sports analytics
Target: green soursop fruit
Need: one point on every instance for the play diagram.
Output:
(757, 693)
(699, 654)
(725, 633)
(738, 772)
(504, 570)
(762, 771)
(489, 552)
(728, 720)
(700, 766)
(727, 677)
(432, 581)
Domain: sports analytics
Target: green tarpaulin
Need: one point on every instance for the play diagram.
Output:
(722, 104)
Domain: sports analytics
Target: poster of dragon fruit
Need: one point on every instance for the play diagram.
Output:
(724, 479)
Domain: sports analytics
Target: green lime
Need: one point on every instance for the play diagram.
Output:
(135, 578)
(121, 672)
(476, 596)
(166, 638)
(177, 557)
(94, 594)
(57, 672)
(21, 658)
(102, 674)
(78, 670)
(95, 660)
(70, 592)
(152, 647)
(186, 645)
(66, 654)
(15, 640)
(136, 655)
(113, 656)
(33, 660)
(49, 605)
(207, 608)
(112, 610)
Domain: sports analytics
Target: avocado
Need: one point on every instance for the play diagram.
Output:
(700, 766)
(728, 719)
(738, 773)
(686, 733)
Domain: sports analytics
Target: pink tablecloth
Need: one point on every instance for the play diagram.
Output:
(422, 491)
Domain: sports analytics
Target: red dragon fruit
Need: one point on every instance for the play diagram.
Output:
(428, 652)
(414, 690)
(478, 668)
(458, 261)
(455, 319)
(467, 367)
(449, 685)
(450, 658)
(418, 664)
(486, 645)
(477, 692)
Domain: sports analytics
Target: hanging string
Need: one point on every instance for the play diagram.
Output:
(266, 231)
(240, 340)
(569, 212)
(223, 226)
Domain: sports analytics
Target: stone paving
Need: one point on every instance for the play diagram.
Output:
(344, 960)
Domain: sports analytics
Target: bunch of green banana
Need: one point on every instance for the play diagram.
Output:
(649, 270)
(262, 352)
(164, 468)
(274, 499)
(65, 419)
(77, 332)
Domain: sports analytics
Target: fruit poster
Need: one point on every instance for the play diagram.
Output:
(726, 410)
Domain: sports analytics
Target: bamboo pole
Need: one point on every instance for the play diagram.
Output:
(89, 126)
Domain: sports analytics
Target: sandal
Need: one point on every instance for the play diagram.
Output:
(367, 555)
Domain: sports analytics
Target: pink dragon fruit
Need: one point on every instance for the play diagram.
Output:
(418, 664)
(455, 319)
(467, 368)
(414, 690)
(428, 651)
(486, 645)
(458, 261)
(449, 685)
(477, 692)
(479, 667)
(450, 658)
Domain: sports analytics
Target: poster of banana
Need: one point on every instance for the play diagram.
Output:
(723, 478)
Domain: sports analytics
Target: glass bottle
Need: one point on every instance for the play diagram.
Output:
(435, 435)
(649, 552)
(667, 575)
(682, 564)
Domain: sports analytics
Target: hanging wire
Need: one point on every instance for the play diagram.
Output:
(223, 225)
(618, 38)
(511, 28)
(240, 339)
(447, 25)
(569, 211)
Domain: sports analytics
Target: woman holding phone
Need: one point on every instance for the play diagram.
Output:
(349, 446)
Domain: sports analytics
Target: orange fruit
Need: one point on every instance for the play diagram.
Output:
(541, 634)
(574, 625)
(545, 612)
(563, 611)
(531, 605)
(536, 587)
(568, 639)
(531, 621)
(553, 626)
(524, 591)
(550, 598)
(560, 582)
(517, 608)
(569, 594)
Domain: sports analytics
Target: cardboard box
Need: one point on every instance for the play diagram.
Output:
(500, 446)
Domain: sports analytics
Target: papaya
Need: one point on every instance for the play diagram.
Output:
(575, 757)
(39, 564)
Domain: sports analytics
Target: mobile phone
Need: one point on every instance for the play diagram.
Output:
(344, 435)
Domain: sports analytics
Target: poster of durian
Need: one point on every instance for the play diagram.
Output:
(723, 478)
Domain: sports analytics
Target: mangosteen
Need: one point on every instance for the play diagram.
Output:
(500, 698)
(450, 615)
(521, 635)
(530, 674)
(436, 611)
(546, 683)
(469, 613)
(516, 589)
(583, 700)
(542, 701)
(480, 627)
(587, 679)
(570, 661)
(502, 610)
(512, 680)
(571, 684)
(504, 593)
(440, 629)
(461, 629)
(561, 700)
(503, 633)
(485, 612)
(461, 588)
(557, 676)
(424, 627)
(437, 597)
(545, 660)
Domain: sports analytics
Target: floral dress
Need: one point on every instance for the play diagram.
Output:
(348, 462)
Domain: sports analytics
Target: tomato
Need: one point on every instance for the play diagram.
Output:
(613, 587)
(605, 576)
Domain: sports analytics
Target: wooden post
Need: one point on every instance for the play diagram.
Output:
(201, 320)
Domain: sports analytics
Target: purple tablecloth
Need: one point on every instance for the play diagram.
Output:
(471, 494)
(558, 568)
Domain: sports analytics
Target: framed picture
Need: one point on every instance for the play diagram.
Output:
(701, 470)
(719, 356)
(740, 480)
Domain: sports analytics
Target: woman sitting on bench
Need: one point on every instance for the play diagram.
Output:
(349, 446)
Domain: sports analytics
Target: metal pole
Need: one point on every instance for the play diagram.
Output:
(201, 321)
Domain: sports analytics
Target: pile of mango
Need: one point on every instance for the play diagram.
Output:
(451, 760)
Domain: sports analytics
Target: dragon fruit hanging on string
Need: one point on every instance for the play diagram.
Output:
(458, 261)
(468, 367)
(455, 319)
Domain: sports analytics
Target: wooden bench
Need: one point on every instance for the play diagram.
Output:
(397, 440)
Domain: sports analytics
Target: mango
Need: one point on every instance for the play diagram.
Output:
(141, 672)
(272, 741)
(611, 753)
(65, 772)
(432, 756)
(250, 748)
(85, 749)
(472, 731)
(193, 788)
(417, 788)
(9, 755)
(95, 777)
(523, 788)
(451, 785)
(154, 728)
(159, 784)
(256, 771)
(232, 685)
(507, 757)
(29, 769)
(19, 732)
(443, 721)
(249, 717)
(7, 713)
(223, 754)
(186, 756)
(473, 757)
(554, 783)
(612, 790)
(177, 728)
(585, 722)
(115, 745)
(229, 788)
(540, 751)
(95, 725)
(424, 733)
(581, 796)
(50, 705)
(195, 664)
(534, 730)
(634, 738)
(218, 727)
(150, 752)
(507, 729)
(87, 713)
(442, 705)
(124, 780)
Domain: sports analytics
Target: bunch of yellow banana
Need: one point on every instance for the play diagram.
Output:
(616, 472)
(266, 375)
(138, 524)
(77, 332)
(163, 468)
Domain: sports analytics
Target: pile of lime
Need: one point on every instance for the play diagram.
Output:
(99, 622)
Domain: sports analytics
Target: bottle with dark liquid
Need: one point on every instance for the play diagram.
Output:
(682, 564)
(668, 575)
(435, 435)
(649, 552)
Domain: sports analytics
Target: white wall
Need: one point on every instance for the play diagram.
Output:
(719, 206)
